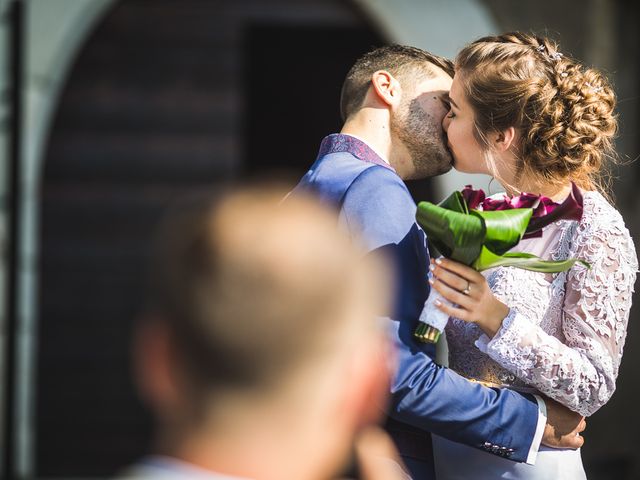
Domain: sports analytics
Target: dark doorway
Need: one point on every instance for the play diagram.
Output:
(293, 79)
(166, 98)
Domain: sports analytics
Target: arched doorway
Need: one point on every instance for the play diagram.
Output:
(166, 98)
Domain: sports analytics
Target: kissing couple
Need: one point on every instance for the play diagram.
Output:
(531, 353)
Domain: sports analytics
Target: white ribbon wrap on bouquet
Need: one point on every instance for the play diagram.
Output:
(432, 315)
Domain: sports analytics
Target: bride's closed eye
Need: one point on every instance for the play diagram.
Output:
(447, 104)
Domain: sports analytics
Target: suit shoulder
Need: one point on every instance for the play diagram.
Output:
(379, 204)
(380, 182)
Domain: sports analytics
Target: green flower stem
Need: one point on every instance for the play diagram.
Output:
(427, 333)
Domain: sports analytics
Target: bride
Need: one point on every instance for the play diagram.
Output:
(537, 121)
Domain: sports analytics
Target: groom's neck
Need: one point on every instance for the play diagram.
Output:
(372, 127)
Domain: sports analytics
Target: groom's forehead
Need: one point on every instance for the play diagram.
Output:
(440, 82)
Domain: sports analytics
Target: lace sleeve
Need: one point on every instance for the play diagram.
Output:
(581, 372)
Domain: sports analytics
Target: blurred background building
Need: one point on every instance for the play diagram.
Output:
(110, 110)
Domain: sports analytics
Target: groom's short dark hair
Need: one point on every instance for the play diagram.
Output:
(399, 60)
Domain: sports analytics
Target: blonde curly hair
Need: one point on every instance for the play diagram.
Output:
(563, 110)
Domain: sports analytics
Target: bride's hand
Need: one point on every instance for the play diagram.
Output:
(468, 289)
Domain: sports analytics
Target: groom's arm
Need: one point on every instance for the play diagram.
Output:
(424, 394)
(436, 399)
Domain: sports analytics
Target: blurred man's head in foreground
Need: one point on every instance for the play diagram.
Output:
(262, 337)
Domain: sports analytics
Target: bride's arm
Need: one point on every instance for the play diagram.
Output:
(581, 372)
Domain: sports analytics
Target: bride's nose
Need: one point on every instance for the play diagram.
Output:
(445, 122)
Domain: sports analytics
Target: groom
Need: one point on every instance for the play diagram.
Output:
(393, 102)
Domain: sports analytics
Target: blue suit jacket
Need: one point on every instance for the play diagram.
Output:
(375, 204)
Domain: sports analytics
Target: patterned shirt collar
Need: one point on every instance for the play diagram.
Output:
(339, 142)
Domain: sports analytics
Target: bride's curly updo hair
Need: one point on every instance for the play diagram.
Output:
(564, 111)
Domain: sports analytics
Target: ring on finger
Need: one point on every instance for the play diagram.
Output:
(467, 290)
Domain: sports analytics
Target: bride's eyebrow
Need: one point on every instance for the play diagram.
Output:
(452, 102)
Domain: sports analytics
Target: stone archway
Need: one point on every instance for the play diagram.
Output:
(48, 59)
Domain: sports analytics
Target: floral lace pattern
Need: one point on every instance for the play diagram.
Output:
(565, 332)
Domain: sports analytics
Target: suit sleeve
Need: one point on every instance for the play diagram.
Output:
(378, 207)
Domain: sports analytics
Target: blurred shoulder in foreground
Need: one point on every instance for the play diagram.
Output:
(260, 355)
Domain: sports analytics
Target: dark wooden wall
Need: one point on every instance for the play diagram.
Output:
(167, 98)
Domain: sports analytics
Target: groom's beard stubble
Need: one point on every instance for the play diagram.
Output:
(422, 135)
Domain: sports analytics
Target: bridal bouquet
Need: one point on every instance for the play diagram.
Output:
(469, 228)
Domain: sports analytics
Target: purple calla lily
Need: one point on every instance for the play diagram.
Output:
(526, 200)
(570, 209)
(495, 204)
(474, 198)
(545, 207)
(545, 210)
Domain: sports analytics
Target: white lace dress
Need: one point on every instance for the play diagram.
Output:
(563, 336)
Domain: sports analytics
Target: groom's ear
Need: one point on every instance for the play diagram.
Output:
(503, 140)
(386, 87)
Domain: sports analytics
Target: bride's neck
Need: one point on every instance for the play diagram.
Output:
(554, 191)
(515, 181)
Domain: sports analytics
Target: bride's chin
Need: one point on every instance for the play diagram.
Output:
(464, 168)
(459, 168)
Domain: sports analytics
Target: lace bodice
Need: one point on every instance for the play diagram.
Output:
(565, 332)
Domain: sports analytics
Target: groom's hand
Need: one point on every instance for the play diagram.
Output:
(563, 426)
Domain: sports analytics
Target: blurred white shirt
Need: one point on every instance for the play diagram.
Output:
(165, 468)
